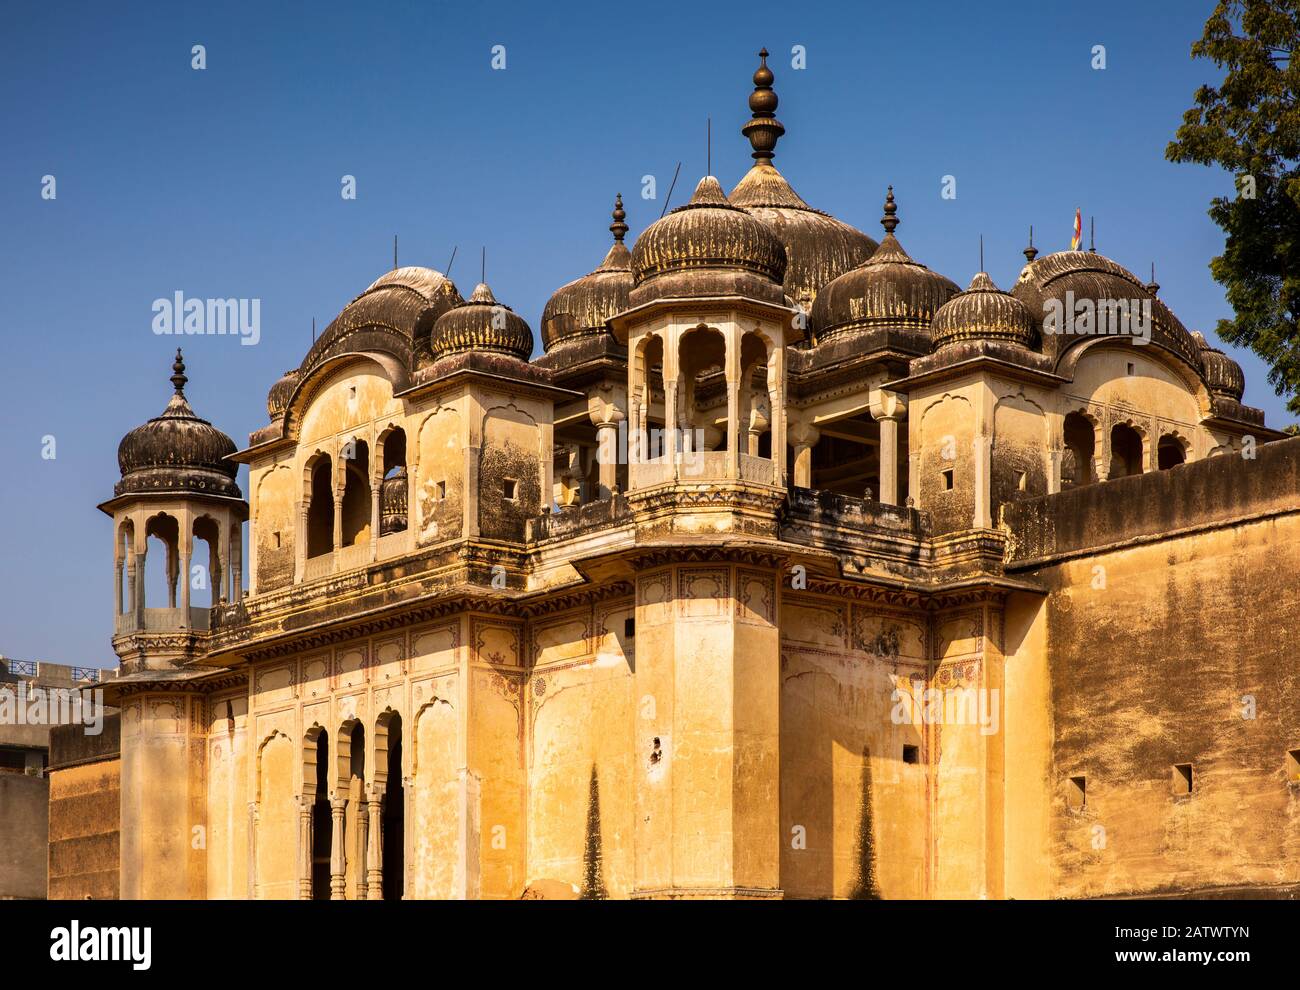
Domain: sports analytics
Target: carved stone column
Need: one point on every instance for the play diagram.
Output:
(363, 845)
(375, 849)
(888, 409)
(338, 853)
(803, 437)
(305, 851)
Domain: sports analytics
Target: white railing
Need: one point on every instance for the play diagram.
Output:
(350, 558)
(701, 466)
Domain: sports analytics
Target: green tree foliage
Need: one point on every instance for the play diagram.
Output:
(1250, 126)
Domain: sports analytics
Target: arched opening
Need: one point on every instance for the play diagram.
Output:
(356, 493)
(322, 826)
(205, 564)
(1170, 452)
(648, 426)
(320, 510)
(125, 567)
(1125, 451)
(755, 405)
(393, 490)
(161, 561)
(701, 412)
(1080, 445)
(394, 814)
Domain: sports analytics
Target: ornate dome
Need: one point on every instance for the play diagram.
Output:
(277, 399)
(983, 312)
(177, 451)
(888, 290)
(1223, 375)
(818, 247)
(394, 315)
(1070, 276)
(481, 324)
(582, 306)
(708, 247)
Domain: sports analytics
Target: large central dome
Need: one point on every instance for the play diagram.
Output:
(818, 247)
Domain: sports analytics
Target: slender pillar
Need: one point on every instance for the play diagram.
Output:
(607, 457)
(363, 844)
(983, 496)
(374, 517)
(338, 521)
(803, 437)
(889, 460)
(733, 429)
(185, 590)
(338, 854)
(375, 850)
(305, 851)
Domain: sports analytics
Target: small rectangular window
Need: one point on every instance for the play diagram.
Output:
(508, 488)
(947, 480)
(1293, 765)
(276, 537)
(1132, 368)
(1076, 796)
(911, 754)
(441, 490)
(1021, 479)
(629, 628)
(1181, 779)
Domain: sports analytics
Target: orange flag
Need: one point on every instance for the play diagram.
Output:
(1077, 239)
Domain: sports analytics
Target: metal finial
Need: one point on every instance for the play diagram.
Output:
(451, 259)
(618, 228)
(394, 251)
(1031, 252)
(1153, 286)
(763, 129)
(313, 329)
(708, 145)
(482, 265)
(178, 373)
(890, 221)
(1092, 234)
(981, 252)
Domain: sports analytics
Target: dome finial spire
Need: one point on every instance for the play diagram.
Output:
(890, 220)
(1031, 252)
(618, 228)
(763, 129)
(178, 373)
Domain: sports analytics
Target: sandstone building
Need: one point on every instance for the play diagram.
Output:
(647, 615)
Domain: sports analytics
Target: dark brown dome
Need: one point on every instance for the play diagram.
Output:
(1223, 375)
(481, 324)
(889, 290)
(707, 247)
(983, 312)
(394, 315)
(818, 247)
(1093, 276)
(177, 451)
(277, 399)
(581, 307)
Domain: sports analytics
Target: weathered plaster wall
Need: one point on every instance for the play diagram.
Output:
(854, 816)
(581, 759)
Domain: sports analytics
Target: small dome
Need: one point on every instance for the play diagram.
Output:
(888, 290)
(706, 243)
(177, 451)
(277, 400)
(818, 248)
(983, 312)
(481, 324)
(1223, 375)
(582, 306)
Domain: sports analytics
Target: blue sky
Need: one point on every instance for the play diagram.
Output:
(226, 182)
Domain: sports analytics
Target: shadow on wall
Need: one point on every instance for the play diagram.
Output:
(866, 888)
(593, 882)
